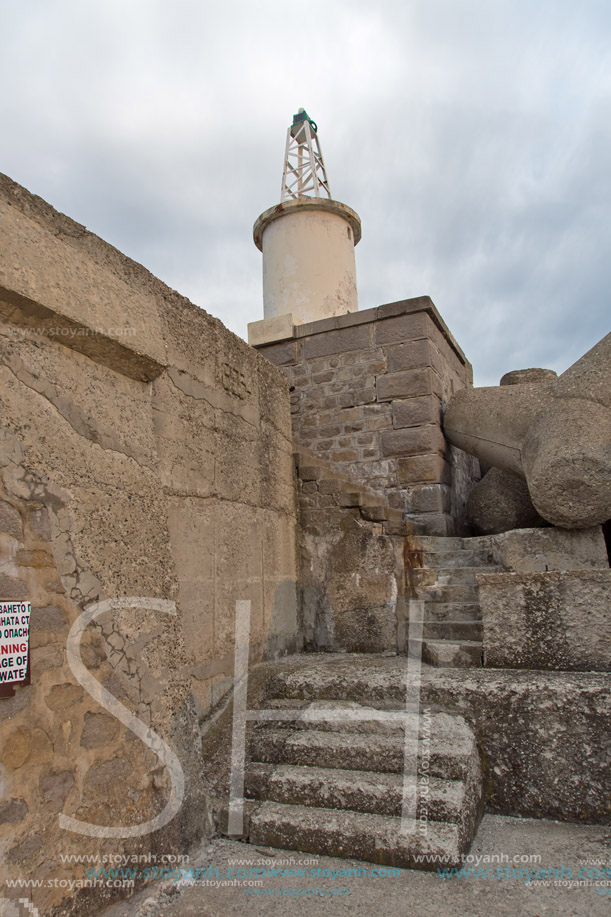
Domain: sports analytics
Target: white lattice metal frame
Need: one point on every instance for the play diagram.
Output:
(304, 172)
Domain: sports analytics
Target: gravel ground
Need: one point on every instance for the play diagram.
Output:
(413, 892)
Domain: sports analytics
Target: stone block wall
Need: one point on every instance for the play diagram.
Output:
(145, 451)
(367, 393)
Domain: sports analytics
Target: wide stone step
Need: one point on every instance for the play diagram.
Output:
(347, 717)
(361, 791)
(480, 546)
(448, 576)
(337, 833)
(449, 755)
(446, 559)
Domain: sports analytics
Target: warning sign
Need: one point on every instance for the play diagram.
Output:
(14, 640)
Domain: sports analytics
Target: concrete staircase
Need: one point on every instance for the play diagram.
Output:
(441, 572)
(328, 777)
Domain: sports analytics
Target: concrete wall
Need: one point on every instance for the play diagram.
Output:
(144, 451)
(543, 737)
(367, 393)
(352, 564)
(547, 620)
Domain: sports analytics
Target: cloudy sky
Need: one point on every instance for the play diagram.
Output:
(473, 137)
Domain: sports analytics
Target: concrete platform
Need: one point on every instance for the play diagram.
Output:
(504, 892)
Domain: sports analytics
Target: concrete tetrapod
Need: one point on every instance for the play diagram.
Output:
(556, 435)
(500, 502)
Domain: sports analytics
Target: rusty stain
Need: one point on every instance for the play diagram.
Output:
(413, 559)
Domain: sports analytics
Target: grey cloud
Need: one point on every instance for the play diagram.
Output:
(473, 138)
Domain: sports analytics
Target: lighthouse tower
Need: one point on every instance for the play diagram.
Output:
(307, 241)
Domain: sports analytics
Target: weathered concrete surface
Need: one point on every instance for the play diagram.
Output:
(547, 620)
(555, 434)
(519, 376)
(359, 791)
(144, 451)
(543, 735)
(507, 847)
(351, 552)
(500, 503)
(521, 551)
(493, 422)
(376, 838)
(566, 458)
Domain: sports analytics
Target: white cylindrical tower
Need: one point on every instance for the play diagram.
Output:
(307, 241)
(308, 258)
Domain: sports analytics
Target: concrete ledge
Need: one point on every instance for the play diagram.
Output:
(419, 304)
(546, 550)
(388, 310)
(271, 330)
(35, 318)
(53, 263)
(547, 620)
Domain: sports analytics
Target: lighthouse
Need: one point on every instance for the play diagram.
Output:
(307, 241)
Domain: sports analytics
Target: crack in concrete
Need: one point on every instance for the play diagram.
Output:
(67, 409)
(200, 392)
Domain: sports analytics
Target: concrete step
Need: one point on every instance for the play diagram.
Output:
(451, 653)
(437, 543)
(458, 576)
(452, 611)
(329, 776)
(345, 717)
(436, 560)
(450, 593)
(449, 751)
(480, 546)
(453, 630)
(361, 791)
(337, 833)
